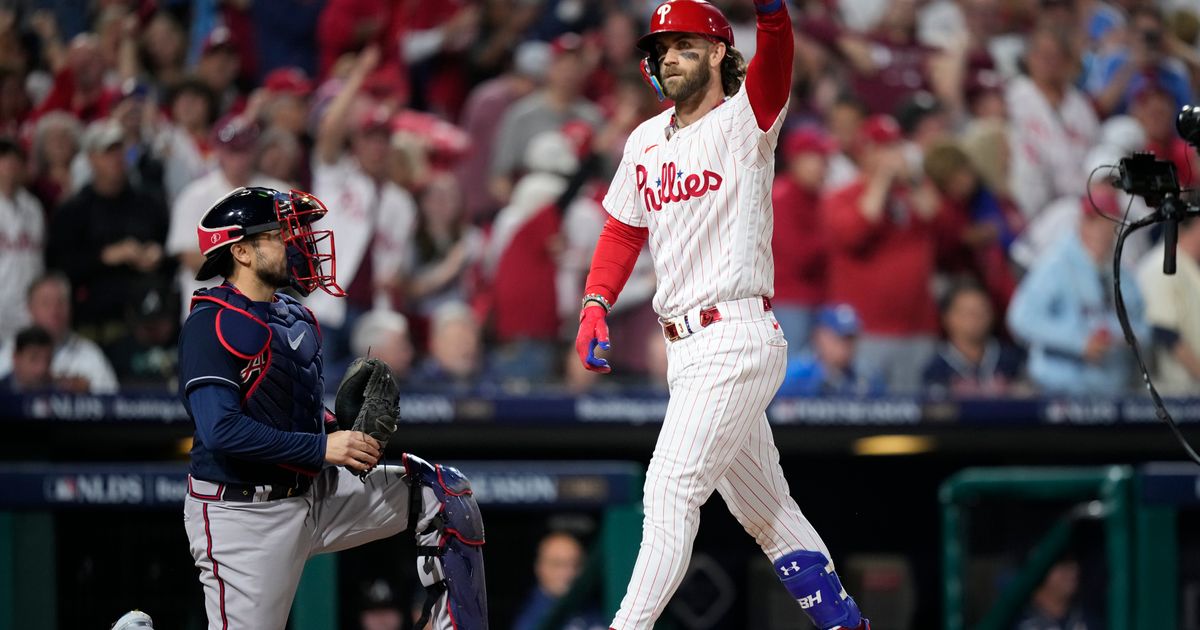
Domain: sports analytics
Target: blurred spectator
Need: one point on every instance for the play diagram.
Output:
(925, 123)
(618, 53)
(1053, 125)
(559, 562)
(186, 156)
(1154, 109)
(455, 351)
(32, 350)
(384, 335)
(971, 361)
(1064, 310)
(163, 49)
(371, 215)
(284, 32)
(380, 608)
(138, 119)
(881, 256)
(235, 141)
(78, 364)
(1116, 77)
(348, 26)
(55, 143)
(844, 121)
(108, 238)
(285, 106)
(1173, 312)
(14, 101)
(829, 369)
(547, 109)
(278, 157)
(485, 108)
(1052, 606)
(975, 227)
(433, 43)
(22, 237)
(79, 85)
(987, 147)
(798, 243)
(888, 64)
(147, 355)
(218, 68)
(443, 248)
(520, 262)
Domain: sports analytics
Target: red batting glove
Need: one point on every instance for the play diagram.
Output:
(593, 331)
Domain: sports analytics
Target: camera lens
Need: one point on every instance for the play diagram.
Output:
(1188, 125)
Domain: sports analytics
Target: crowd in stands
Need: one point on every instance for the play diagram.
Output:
(935, 228)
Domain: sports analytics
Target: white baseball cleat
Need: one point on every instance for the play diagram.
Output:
(134, 619)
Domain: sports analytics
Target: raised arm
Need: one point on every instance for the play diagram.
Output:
(769, 77)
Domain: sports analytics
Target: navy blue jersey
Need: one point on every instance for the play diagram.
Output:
(250, 378)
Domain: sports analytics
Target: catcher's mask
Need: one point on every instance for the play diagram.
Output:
(680, 16)
(249, 211)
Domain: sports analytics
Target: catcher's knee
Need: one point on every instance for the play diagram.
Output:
(810, 578)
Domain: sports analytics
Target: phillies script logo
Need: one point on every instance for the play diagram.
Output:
(675, 186)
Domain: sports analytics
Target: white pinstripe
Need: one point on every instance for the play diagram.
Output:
(715, 437)
(710, 237)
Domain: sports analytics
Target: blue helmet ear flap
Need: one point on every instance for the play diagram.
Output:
(649, 70)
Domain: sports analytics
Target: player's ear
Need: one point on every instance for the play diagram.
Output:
(241, 252)
(716, 54)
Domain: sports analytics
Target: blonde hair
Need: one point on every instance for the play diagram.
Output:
(986, 142)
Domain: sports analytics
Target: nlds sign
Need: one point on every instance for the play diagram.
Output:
(98, 489)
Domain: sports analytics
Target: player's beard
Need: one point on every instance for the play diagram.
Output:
(275, 276)
(691, 83)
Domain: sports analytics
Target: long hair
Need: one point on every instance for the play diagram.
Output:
(733, 71)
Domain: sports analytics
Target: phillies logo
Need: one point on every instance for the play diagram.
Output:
(662, 12)
(216, 238)
(674, 185)
(255, 366)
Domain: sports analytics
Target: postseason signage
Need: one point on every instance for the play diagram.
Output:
(517, 485)
(639, 408)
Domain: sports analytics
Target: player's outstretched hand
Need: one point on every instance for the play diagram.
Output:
(353, 449)
(593, 333)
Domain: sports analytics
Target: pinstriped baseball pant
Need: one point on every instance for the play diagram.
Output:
(715, 437)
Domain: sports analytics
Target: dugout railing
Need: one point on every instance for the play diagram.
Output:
(1137, 506)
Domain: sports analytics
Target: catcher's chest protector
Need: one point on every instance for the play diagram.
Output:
(278, 346)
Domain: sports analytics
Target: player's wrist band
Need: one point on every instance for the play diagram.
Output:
(598, 299)
(768, 7)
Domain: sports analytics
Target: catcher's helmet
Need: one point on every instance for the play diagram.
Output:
(249, 211)
(681, 16)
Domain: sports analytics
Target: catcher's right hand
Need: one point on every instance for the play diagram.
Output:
(368, 400)
(593, 332)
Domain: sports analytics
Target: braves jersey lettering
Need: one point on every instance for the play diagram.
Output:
(673, 185)
(254, 368)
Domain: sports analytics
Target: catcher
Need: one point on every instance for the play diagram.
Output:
(276, 478)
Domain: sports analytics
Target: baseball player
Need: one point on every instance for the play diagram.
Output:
(273, 478)
(696, 181)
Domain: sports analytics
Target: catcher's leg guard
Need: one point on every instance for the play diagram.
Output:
(450, 548)
(810, 578)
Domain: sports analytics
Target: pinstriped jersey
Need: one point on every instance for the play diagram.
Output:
(704, 193)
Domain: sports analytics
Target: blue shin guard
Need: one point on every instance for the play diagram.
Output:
(810, 578)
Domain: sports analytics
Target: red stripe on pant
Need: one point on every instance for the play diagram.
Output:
(220, 582)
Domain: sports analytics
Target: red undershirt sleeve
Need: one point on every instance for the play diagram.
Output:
(769, 76)
(616, 253)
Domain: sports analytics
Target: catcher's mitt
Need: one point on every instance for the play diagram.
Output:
(368, 400)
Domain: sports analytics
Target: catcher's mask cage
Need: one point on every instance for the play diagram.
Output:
(694, 17)
(309, 251)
